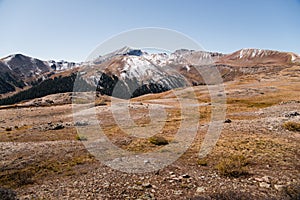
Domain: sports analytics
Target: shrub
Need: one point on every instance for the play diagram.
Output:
(158, 140)
(292, 126)
(202, 162)
(81, 138)
(233, 166)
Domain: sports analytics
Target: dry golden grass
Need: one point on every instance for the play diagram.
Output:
(37, 171)
(233, 166)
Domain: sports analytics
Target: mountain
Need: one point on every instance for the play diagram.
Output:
(123, 51)
(125, 74)
(19, 71)
(129, 72)
(259, 57)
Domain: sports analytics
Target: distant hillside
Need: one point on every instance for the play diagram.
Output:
(50, 86)
(127, 72)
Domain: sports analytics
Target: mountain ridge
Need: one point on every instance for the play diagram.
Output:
(138, 70)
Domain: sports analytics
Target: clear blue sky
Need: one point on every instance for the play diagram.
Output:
(71, 29)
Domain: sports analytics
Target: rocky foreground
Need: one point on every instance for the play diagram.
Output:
(256, 157)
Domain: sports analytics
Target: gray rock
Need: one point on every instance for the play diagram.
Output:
(264, 185)
(147, 185)
(185, 176)
(81, 123)
(291, 114)
(200, 189)
(177, 192)
(279, 187)
(57, 126)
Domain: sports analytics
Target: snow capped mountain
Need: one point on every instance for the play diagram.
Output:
(259, 57)
(62, 65)
(133, 73)
(129, 72)
(25, 65)
(123, 51)
(19, 71)
(135, 70)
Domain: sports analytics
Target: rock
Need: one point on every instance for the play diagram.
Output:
(200, 189)
(279, 187)
(146, 161)
(266, 179)
(176, 179)
(177, 192)
(140, 188)
(263, 179)
(185, 176)
(264, 185)
(49, 101)
(81, 123)
(291, 114)
(258, 179)
(58, 127)
(227, 121)
(173, 176)
(147, 185)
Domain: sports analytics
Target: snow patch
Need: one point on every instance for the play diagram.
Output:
(241, 53)
(187, 68)
(6, 60)
(293, 58)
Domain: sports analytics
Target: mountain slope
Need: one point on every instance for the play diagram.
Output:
(127, 72)
(259, 57)
(18, 71)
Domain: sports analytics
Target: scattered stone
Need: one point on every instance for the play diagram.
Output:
(264, 185)
(140, 188)
(185, 176)
(266, 179)
(263, 179)
(177, 192)
(146, 161)
(49, 101)
(57, 127)
(291, 114)
(279, 187)
(146, 185)
(200, 189)
(227, 121)
(81, 123)
(173, 176)
(177, 179)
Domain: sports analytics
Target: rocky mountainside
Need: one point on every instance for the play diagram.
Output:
(259, 57)
(18, 71)
(129, 72)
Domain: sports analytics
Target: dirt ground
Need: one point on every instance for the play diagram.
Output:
(256, 157)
